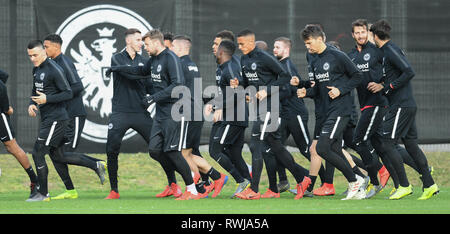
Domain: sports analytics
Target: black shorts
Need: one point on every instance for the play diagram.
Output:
(318, 127)
(167, 135)
(334, 127)
(51, 132)
(6, 132)
(73, 131)
(228, 134)
(268, 126)
(192, 136)
(369, 123)
(399, 123)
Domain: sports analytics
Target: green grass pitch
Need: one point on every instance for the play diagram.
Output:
(141, 178)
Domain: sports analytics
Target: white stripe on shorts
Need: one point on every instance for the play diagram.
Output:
(266, 121)
(181, 134)
(224, 135)
(7, 126)
(185, 135)
(371, 123)
(75, 137)
(397, 116)
(303, 130)
(52, 130)
(335, 127)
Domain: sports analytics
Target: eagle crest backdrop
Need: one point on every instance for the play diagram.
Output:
(92, 32)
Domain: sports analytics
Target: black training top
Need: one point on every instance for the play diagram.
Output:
(4, 101)
(166, 73)
(191, 74)
(75, 105)
(3, 76)
(397, 76)
(370, 62)
(260, 69)
(49, 78)
(231, 101)
(128, 90)
(291, 105)
(334, 68)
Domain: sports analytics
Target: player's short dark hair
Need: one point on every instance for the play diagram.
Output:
(382, 29)
(225, 35)
(182, 37)
(131, 31)
(335, 44)
(168, 36)
(35, 43)
(245, 32)
(285, 40)
(311, 31)
(55, 38)
(228, 47)
(154, 34)
(360, 23)
(317, 24)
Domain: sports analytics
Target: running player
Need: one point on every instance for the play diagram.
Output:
(128, 112)
(231, 155)
(167, 133)
(194, 120)
(77, 116)
(368, 58)
(50, 92)
(229, 126)
(294, 115)
(400, 120)
(264, 73)
(335, 76)
(7, 134)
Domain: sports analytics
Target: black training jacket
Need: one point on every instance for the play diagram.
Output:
(397, 76)
(129, 90)
(334, 68)
(49, 78)
(259, 69)
(75, 106)
(370, 62)
(165, 73)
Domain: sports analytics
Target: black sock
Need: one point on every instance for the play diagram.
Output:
(32, 175)
(213, 173)
(205, 178)
(200, 188)
(313, 181)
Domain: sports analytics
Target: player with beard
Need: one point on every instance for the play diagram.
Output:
(128, 111)
(166, 137)
(194, 121)
(400, 121)
(294, 115)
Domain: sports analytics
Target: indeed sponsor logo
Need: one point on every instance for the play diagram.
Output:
(363, 67)
(156, 77)
(323, 76)
(251, 75)
(193, 68)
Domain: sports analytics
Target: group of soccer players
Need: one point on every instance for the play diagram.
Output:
(161, 98)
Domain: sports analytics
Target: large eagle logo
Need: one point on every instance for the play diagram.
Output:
(99, 88)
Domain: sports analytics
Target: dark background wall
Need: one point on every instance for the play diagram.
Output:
(420, 28)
